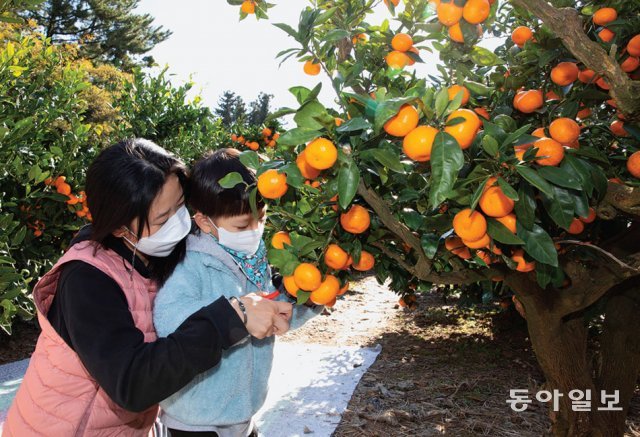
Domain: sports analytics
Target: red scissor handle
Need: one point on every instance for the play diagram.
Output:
(270, 296)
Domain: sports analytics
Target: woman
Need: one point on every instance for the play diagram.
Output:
(99, 368)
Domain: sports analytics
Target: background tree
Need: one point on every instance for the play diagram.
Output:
(259, 109)
(231, 108)
(106, 31)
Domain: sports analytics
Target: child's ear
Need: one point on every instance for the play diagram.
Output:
(203, 223)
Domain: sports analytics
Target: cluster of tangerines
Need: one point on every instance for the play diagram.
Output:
(37, 226)
(269, 139)
(450, 15)
(308, 277)
(564, 131)
(318, 155)
(78, 201)
(397, 58)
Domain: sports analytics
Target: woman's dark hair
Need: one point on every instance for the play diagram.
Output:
(122, 183)
(207, 196)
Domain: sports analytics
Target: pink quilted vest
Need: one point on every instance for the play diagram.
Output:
(58, 397)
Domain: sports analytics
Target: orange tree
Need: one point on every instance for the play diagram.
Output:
(518, 165)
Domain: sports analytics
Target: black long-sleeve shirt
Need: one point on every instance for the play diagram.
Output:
(90, 312)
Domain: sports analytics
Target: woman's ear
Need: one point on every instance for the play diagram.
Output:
(203, 223)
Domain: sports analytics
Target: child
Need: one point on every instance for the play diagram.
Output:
(225, 256)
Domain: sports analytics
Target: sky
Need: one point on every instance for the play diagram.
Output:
(211, 47)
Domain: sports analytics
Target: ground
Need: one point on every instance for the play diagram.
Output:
(443, 369)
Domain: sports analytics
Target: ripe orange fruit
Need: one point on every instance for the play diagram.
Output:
(528, 101)
(356, 220)
(403, 122)
(410, 59)
(539, 132)
(307, 276)
(453, 91)
(495, 203)
(523, 265)
(617, 127)
(564, 130)
(584, 113)
(339, 121)
(280, 239)
(521, 35)
(465, 132)
(576, 227)
(550, 152)
(398, 60)
(359, 38)
(602, 83)
(335, 257)
(253, 145)
(311, 68)
(606, 35)
(395, 2)
(401, 42)
(234, 137)
(604, 16)
(483, 113)
(485, 256)
(321, 154)
(449, 13)
(307, 171)
(630, 64)
(468, 225)
(290, 285)
(272, 185)
(552, 95)
(633, 46)
(509, 221)
(455, 33)
(367, 261)
(417, 144)
(564, 73)
(633, 165)
(457, 247)
(586, 76)
(344, 289)
(326, 292)
(248, 7)
(266, 132)
(73, 199)
(476, 11)
(483, 241)
(63, 188)
(590, 218)
(241, 139)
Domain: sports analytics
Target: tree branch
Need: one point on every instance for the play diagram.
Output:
(567, 25)
(619, 198)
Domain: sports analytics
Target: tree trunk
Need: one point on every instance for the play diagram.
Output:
(619, 361)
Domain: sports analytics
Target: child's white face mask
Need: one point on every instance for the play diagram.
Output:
(246, 242)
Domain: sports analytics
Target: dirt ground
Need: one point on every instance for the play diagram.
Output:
(443, 370)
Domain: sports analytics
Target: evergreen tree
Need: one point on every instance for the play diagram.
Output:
(259, 109)
(107, 31)
(231, 108)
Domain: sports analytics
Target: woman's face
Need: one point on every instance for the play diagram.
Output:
(166, 203)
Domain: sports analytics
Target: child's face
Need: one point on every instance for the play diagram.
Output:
(236, 223)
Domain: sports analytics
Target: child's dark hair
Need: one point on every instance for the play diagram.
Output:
(206, 194)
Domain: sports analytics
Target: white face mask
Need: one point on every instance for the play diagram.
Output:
(168, 236)
(246, 242)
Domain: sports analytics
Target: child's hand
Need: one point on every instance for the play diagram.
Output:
(266, 317)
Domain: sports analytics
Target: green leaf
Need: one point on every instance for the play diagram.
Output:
(19, 236)
(309, 114)
(336, 35)
(535, 179)
(290, 31)
(300, 93)
(285, 261)
(477, 88)
(484, 57)
(231, 180)
(250, 159)
(442, 101)
(490, 145)
(559, 177)
(298, 135)
(279, 113)
(304, 245)
(348, 180)
(538, 244)
(447, 160)
(388, 159)
(507, 189)
(499, 232)
(525, 208)
(429, 244)
(354, 124)
(477, 194)
(294, 177)
(575, 169)
(560, 207)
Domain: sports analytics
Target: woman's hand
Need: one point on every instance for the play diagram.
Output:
(264, 317)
